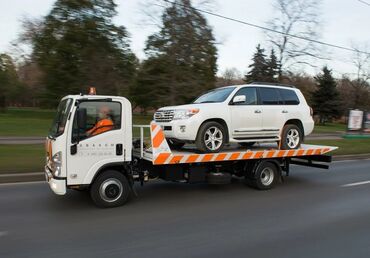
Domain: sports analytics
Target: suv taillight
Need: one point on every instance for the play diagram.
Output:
(311, 111)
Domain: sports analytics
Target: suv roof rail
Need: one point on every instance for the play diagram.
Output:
(273, 84)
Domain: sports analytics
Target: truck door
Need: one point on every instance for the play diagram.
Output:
(246, 117)
(101, 141)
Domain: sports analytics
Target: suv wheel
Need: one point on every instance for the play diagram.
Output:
(211, 137)
(291, 137)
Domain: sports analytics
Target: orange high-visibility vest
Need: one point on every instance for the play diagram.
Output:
(101, 127)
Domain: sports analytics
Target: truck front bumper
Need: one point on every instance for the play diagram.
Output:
(57, 185)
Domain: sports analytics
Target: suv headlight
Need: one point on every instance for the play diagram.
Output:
(56, 163)
(184, 113)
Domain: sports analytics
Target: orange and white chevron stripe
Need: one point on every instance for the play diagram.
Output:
(162, 154)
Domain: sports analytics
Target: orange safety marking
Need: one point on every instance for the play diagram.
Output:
(300, 152)
(318, 151)
(207, 157)
(247, 155)
(220, 157)
(192, 158)
(158, 139)
(270, 154)
(153, 126)
(281, 153)
(325, 150)
(309, 152)
(258, 155)
(290, 153)
(161, 158)
(176, 159)
(234, 156)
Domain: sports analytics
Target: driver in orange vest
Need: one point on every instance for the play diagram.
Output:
(104, 124)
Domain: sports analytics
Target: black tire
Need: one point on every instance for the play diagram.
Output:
(247, 144)
(174, 144)
(110, 189)
(265, 176)
(287, 142)
(203, 133)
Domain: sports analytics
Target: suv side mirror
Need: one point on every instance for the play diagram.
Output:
(239, 99)
(81, 118)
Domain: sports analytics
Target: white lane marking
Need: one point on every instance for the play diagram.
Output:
(356, 184)
(3, 233)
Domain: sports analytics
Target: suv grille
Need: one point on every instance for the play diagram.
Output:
(163, 116)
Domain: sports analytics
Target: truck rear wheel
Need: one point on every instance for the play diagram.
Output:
(264, 176)
(110, 189)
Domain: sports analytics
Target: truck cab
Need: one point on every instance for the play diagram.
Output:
(79, 145)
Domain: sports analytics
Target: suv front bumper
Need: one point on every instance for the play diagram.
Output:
(57, 185)
(184, 129)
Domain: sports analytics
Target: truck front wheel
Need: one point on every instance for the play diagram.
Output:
(110, 189)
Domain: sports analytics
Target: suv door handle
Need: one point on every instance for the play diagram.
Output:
(257, 111)
(284, 111)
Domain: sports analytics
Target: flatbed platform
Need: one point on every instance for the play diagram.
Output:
(159, 153)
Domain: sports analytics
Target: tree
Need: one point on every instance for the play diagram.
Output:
(262, 69)
(299, 18)
(10, 87)
(326, 100)
(183, 54)
(78, 45)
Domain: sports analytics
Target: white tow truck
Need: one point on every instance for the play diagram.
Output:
(86, 153)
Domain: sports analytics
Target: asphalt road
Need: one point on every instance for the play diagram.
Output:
(311, 214)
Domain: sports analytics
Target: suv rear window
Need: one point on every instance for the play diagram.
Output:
(289, 97)
(270, 96)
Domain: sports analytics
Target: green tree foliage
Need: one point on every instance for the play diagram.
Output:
(263, 69)
(326, 100)
(10, 87)
(79, 46)
(181, 61)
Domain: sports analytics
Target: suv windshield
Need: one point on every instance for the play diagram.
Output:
(218, 95)
(57, 127)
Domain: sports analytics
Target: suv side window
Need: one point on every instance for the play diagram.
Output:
(102, 116)
(289, 97)
(250, 94)
(269, 96)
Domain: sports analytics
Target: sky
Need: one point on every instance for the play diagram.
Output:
(344, 22)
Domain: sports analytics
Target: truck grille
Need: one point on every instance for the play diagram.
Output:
(163, 116)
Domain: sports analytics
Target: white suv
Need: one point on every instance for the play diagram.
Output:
(244, 114)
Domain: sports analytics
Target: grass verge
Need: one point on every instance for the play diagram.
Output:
(21, 158)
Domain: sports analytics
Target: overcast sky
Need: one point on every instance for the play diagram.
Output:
(344, 22)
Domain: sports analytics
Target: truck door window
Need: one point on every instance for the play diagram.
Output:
(102, 117)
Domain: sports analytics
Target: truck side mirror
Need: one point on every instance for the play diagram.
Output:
(81, 118)
(239, 99)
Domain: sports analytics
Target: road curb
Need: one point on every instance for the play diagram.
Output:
(22, 177)
(351, 157)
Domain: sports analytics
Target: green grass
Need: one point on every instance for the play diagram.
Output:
(346, 146)
(21, 158)
(330, 128)
(25, 122)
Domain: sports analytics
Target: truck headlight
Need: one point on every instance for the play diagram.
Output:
(184, 113)
(56, 162)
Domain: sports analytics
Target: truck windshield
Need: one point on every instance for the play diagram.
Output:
(215, 96)
(57, 127)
